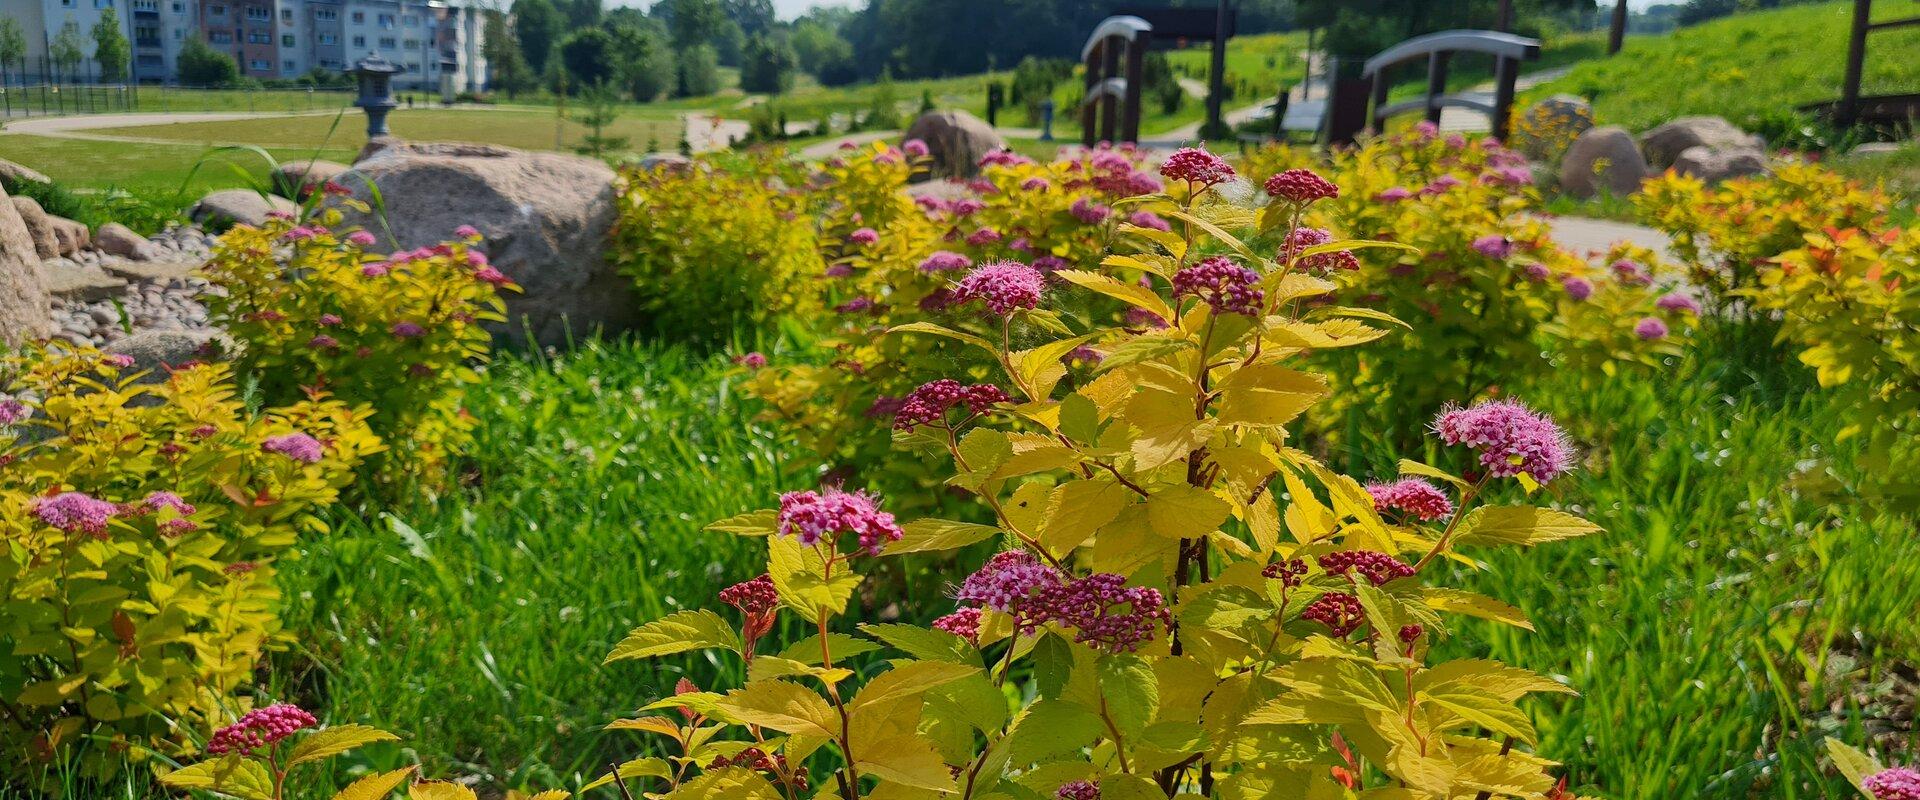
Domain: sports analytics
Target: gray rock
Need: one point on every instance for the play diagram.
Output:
(545, 217)
(1877, 148)
(239, 207)
(13, 174)
(120, 240)
(1604, 158)
(1663, 145)
(1716, 165)
(39, 226)
(956, 140)
(672, 162)
(83, 284)
(1551, 124)
(25, 309)
(155, 350)
(152, 270)
(69, 236)
(296, 178)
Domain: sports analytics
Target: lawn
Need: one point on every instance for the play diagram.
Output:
(1743, 66)
(531, 129)
(147, 168)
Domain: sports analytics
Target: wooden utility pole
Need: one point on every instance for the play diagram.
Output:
(1849, 110)
(1505, 22)
(1217, 81)
(1618, 35)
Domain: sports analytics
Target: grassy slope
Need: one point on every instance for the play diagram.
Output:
(1744, 64)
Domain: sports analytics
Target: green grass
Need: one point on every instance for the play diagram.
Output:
(531, 129)
(1743, 65)
(142, 167)
(166, 99)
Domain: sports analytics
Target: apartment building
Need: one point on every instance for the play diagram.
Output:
(436, 43)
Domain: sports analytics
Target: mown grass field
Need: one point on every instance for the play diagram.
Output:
(1743, 65)
(1734, 603)
(531, 129)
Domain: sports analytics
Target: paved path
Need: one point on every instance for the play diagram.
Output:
(1590, 237)
(80, 127)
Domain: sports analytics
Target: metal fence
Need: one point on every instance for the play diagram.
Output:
(60, 99)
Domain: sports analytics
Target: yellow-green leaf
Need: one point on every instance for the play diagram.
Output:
(677, 633)
(375, 787)
(648, 767)
(229, 775)
(1186, 512)
(1129, 293)
(784, 707)
(934, 535)
(764, 522)
(907, 680)
(330, 742)
(439, 790)
(801, 578)
(938, 330)
(1521, 525)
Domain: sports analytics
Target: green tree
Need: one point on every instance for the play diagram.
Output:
(588, 55)
(755, 17)
(68, 49)
(581, 13)
(691, 23)
(201, 65)
(538, 26)
(599, 109)
(645, 61)
(767, 65)
(13, 46)
(699, 71)
(110, 49)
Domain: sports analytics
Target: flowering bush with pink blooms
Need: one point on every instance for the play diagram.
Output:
(1483, 291)
(140, 523)
(1182, 603)
(314, 309)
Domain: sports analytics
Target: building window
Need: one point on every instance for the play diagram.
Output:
(328, 38)
(66, 3)
(286, 15)
(286, 40)
(413, 66)
(258, 14)
(359, 41)
(412, 21)
(220, 37)
(179, 34)
(386, 21)
(259, 38)
(287, 66)
(179, 8)
(259, 64)
(413, 44)
(326, 14)
(218, 11)
(359, 17)
(146, 5)
(386, 42)
(102, 3)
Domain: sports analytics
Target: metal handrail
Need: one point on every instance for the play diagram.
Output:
(1495, 43)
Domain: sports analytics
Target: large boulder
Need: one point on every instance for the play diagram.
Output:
(1663, 145)
(1602, 159)
(116, 239)
(25, 311)
(158, 351)
(39, 225)
(70, 236)
(545, 217)
(238, 207)
(12, 174)
(956, 140)
(1715, 165)
(296, 179)
(1550, 125)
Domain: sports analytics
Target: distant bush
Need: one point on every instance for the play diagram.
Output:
(201, 65)
(141, 524)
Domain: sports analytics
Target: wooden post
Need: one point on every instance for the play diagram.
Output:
(1136, 85)
(1306, 84)
(1380, 101)
(1504, 23)
(1109, 105)
(1849, 111)
(1618, 35)
(1508, 71)
(1087, 102)
(1436, 83)
(1217, 77)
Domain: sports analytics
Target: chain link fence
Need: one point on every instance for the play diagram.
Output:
(64, 99)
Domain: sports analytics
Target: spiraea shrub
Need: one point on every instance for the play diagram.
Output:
(141, 523)
(1183, 602)
(315, 309)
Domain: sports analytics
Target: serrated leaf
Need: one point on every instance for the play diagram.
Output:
(1186, 512)
(330, 742)
(807, 651)
(782, 706)
(1479, 709)
(677, 633)
(375, 787)
(1217, 232)
(1360, 313)
(1041, 368)
(1052, 728)
(801, 578)
(439, 790)
(230, 775)
(924, 643)
(938, 330)
(907, 760)
(662, 725)
(648, 767)
(1459, 601)
(1410, 467)
(1145, 347)
(907, 680)
(935, 535)
(1522, 525)
(731, 783)
(765, 522)
(1131, 692)
(1854, 764)
(1131, 294)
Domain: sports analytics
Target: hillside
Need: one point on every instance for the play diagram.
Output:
(1744, 66)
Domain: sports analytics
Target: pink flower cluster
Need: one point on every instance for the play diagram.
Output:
(260, 727)
(1678, 301)
(1089, 212)
(1630, 272)
(945, 261)
(1300, 239)
(1004, 286)
(1493, 246)
(1412, 496)
(1511, 438)
(297, 446)
(168, 500)
(12, 411)
(964, 623)
(756, 596)
(1105, 612)
(813, 517)
(407, 330)
(914, 148)
(1577, 288)
(1196, 166)
(753, 360)
(1078, 790)
(1011, 582)
(1650, 329)
(1378, 568)
(1148, 220)
(930, 402)
(864, 236)
(1228, 287)
(1290, 573)
(1899, 783)
(75, 512)
(1340, 612)
(1301, 186)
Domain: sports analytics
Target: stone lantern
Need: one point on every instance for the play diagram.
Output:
(375, 76)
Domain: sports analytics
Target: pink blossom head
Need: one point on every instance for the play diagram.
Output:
(467, 232)
(1413, 497)
(261, 727)
(1004, 286)
(1650, 329)
(1629, 272)
(12, 411)
(1036, 184)
(323, 342)
(75, 512)
(1089, 212)
(360, 239)
(1511, 438)
(1301, 187)
(1011, 582)
(858, 305)
(374, 270)
(330, 320)
(1678, 301)
(864, 236)
(1105, 613)
(492, 277)
(1078, 790)
(815, 517)
(117, 360)
(407, 330)
(1577, 288)
(1143, 183)
(983, 237)
(1228, 287)
(1299, 240)
(964, 623)
(757, 596)
(1899, 783)
(1051, 263)
(1148, 220)
(1393, 195)
(1342, 613)
(945, 261)
(1426, 129)
(930, 402)
(297, 446)
(914, 148)
(840, 270)
(1494, 246)
(1196, 166)
(1536, 271)
(1142, 318)
(1440, 185)
(1375, 567)
(753, 360)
